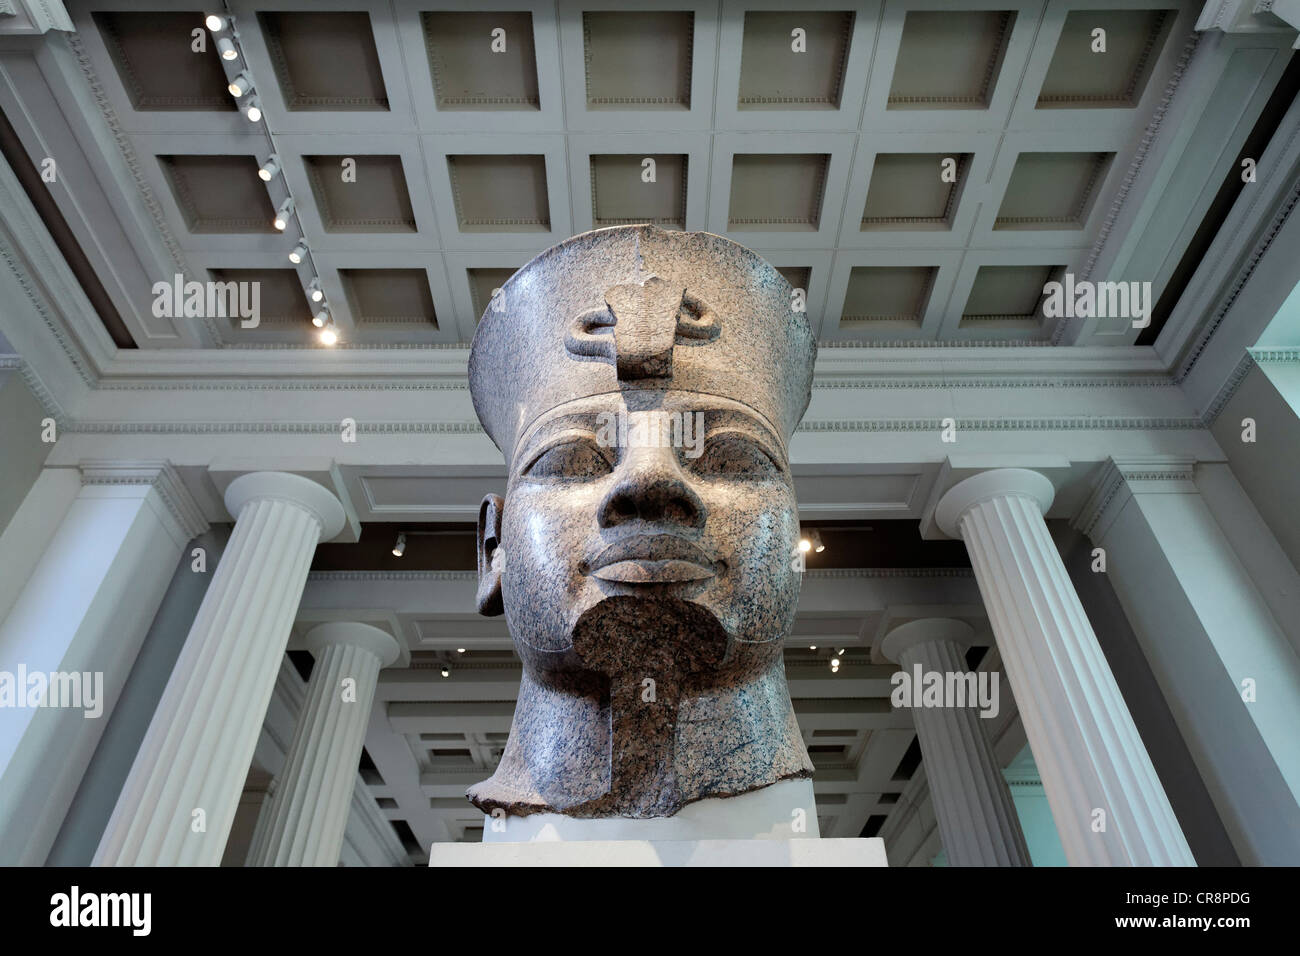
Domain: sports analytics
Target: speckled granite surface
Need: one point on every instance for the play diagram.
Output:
(646, 571)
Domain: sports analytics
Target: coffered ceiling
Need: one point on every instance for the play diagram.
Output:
(920, 168)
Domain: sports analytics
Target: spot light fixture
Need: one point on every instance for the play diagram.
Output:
(314, 290)
(226, 47)
(446, 671)
(253, 113)
(320, 320)
(214, 23)
(299, 252)
(400, 547)
(240, 85)
(328, 336)
(282, 214)
(269, 169)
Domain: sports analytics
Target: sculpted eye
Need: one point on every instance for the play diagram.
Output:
(577, 458)
(731, 455)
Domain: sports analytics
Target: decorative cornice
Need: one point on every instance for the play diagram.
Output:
(1247, 269)
(1135, 166)
(16, 363)
(888, 573)
(1076, 423)
(462, 384)
(132, 161)
(1275, 355)
(326, 577)
(159, 475)
(1103, 504)
(18, 266)
(1227, 390)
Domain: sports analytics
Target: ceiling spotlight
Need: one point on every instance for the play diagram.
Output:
(240, 85)
(269, 169)
(299, 253)
(835, 662)
(314, 290)
(226, 47)
(446, 671)
(842, 652)
(812, 647)
(254, 111)
(805, 545)
(214, 23)
(321, 319)
(460, 650)
(328, 336)
(815, 539)
(282, 214)
(400, 548)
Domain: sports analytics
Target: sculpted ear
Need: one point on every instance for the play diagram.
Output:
(488, 597)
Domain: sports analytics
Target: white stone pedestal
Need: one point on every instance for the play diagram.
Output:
(842, 852)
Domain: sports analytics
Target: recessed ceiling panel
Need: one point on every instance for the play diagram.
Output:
(158, 66)
(475, 69)
(638, 61)
(500, 193)
(1007, 296)
(621, 190)
(325, 61)
(949, 60)
(1052, 190)
(1084, 76)
(219, 193)
(887, 297)
(374, 200)
(393, 297)
(797, 276)
(281, 301)
(914, 190)
(783, 69)
(777, 192)
(482, 283)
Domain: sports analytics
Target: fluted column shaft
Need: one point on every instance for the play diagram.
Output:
(972, 802)
(1106, 799)
(179, 801)
(309, 811)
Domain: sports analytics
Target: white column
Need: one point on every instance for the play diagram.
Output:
(179, 801)
(309, 811)
(971, 801)
(1212, 600)
(1109, 806)
(83, 613)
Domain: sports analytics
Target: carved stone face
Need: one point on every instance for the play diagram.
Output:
(678, 502)
(644, 553)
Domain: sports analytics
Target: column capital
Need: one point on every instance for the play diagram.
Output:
(925, 630)
(987, 485)
(354, 634)
(295, 489)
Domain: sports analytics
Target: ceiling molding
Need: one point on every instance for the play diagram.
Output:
(1085, 422)
(1135, 167)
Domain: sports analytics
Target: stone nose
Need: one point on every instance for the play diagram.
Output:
(651, 487)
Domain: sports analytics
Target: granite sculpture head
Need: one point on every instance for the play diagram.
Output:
(643, 386)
